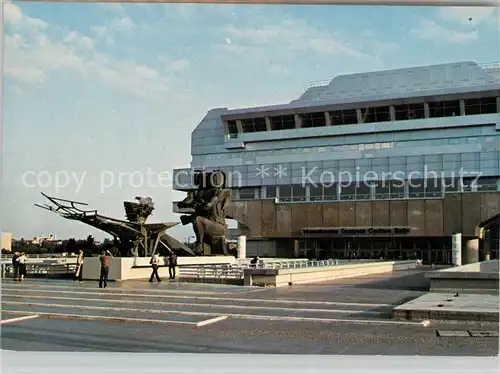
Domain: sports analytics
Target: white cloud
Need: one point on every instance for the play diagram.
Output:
(189, 11)
(113, 7)
(108, 31)
(83, 42)
(32, 58)
(292, 36)
(124, 24)
(176, 66)
(468, 16)
(13, 16)
(429, 29)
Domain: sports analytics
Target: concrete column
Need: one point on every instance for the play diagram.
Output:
(456, 249)
(296, 247)
(498, 103)
(486, 249)
(328, 119)
(242, 247)
(392, 113)
(426, 110)
(462, 107)
(298, 121)
(359, 114)
(226, 128)
(472, 251)
(268, 124)
(239, 126)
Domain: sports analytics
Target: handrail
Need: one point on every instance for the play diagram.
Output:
(490, 65)
(230, 271)
(321, 83)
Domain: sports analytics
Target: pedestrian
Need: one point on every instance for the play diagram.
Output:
(254, 262)
(79, 267)
(15, 265)
(154, 264)
(105, 258)
(172, 263)
(22, 259)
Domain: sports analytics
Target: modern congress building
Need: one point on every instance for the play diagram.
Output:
(381, 164)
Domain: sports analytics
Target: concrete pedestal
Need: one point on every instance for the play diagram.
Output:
(242, 247)
(456, 249)
(296, 246)
(472, 251)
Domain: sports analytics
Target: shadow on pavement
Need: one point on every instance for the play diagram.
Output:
(408, 282)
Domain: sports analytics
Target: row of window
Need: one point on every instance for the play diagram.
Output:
(451, 108)
(380, 190)
(357, 147)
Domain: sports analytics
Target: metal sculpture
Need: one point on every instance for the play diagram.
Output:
(132, 237)
(209, 204)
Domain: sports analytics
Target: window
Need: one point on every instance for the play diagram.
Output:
(433, 187)
(487, 184)
(270, 192)
(253, 125)
(247, 193)
(378, 114)
(330, 193)
(444, 109)
(397, 189)
(416, 189)
(282, 122)
(483, 105)
(363, 191)
(285, 193)
(451, 184)
(348, 192)
(315, 193)
(313, 120)
(298, 193)
(409, 111)
(344, 117)
(382, 190)
(232, 127)
(468, 184)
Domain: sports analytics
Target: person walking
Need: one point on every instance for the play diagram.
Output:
(79, 267)
(22, 259)
(105, 259)
(172, 263)
(15, 265)
(154, 264)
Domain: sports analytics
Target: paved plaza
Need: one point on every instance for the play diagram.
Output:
(348, 316)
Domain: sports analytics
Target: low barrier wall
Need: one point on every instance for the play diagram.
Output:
(128, 268)
(477, 278)
(290, 276)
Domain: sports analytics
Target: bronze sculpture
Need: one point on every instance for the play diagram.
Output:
(209, 203)
(132, 237)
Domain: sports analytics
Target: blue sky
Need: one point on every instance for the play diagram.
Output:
(95, 90)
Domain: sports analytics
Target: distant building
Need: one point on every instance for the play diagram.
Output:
(377, 164)
(38, 240)
(7, 241)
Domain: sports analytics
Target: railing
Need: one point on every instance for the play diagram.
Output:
(48, 270)
(211, 272)
(490, 65)
(322, 83)
(236, 272)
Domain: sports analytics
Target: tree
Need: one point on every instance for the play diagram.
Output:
(72, 246)
(90, 243)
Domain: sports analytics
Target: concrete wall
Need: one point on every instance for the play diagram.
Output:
(457, 212)
(122, 268)
(476, 278)
(284, 277)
